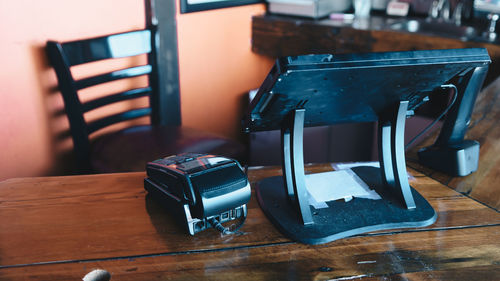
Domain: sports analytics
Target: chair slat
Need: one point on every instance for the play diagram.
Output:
(127, 95)
(112, 76)
(123, 116)
(106, 47)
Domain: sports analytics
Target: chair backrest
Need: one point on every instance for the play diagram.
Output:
(65, 55)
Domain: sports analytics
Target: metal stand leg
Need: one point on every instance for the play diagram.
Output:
(293, 164)
(385, 159)
(392, 154)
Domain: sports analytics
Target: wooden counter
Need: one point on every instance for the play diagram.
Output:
(60, 228)
(277, 36)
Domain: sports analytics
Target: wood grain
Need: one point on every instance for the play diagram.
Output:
(426, 255)
(107, 216)
(85, 217)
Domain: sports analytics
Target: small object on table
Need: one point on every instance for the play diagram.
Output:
(200, 190)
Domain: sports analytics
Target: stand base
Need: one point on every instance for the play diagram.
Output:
(457, 160)
(342, 219)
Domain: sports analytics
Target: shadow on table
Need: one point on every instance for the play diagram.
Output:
(163, 220)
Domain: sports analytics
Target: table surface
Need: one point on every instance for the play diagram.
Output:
(61, 228)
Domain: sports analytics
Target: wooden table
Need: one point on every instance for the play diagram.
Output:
(61, 228)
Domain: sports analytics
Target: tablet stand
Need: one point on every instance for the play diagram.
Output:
(291, 213)
(385, 87)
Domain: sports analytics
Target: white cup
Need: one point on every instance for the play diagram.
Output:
(362, 8)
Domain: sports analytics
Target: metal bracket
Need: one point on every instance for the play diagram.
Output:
(392, 154)
(293, 163)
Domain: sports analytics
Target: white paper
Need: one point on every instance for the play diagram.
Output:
(376, 164)
(316, 204)
(343, 184)
(342, 166)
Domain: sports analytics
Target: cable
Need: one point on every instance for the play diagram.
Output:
(226, 230)
(455, 94)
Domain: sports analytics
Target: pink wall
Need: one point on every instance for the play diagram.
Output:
(217, 67)
(30, 118)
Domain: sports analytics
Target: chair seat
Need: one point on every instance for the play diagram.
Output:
(130, 149)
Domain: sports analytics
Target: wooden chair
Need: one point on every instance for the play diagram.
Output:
(127, 149)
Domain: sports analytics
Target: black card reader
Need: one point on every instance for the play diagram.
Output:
(199, 189)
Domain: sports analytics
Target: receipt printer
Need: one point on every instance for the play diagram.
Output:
(200, 190)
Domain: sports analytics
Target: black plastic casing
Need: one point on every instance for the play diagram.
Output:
(209, 190)
(220, 189)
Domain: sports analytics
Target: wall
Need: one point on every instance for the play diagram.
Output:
(30, 108)
(216, 69)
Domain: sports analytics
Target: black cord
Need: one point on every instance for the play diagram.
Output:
(226, 230)
(455, 94)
